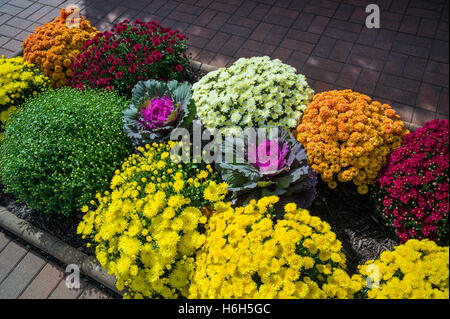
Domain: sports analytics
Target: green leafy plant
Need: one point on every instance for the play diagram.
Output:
(156, 109)
(62, 148)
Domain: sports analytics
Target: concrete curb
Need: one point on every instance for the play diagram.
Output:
(55, 247)
(203, 66)
(18, 53)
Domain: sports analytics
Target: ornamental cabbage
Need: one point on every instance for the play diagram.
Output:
(157, 108)
(276, 166)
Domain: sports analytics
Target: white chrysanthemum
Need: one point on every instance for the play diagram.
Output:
(291, 122)
(235, 117)
(257, 91)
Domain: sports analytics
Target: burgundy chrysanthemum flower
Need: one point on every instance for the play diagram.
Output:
(122, 53)
(413, 188)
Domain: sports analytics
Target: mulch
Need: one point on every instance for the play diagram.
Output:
(353, 218)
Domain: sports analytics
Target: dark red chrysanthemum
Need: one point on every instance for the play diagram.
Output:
(412, 190)
(122, 53)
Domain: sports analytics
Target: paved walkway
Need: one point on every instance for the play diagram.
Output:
(26, 275)
(404, 63)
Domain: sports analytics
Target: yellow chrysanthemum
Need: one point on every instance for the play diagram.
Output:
(147, 232)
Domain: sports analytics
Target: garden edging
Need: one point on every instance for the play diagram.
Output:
(55, 247)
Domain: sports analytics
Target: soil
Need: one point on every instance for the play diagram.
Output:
(352, 217)
(193, 75)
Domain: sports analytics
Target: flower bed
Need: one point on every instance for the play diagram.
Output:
(166, 229)
(412, 190)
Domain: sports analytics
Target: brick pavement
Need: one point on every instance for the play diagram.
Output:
(27, 275)
(404, 63)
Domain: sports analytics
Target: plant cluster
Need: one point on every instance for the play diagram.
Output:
(254, 92)
(19, 80)
(349, 136)
(414, 270)
(234, 228)
(62, 147)
(275, 166)
(156, 109)
(148, 227)
(412, 191)
(247, 254)
(129, 53)
(54, 46)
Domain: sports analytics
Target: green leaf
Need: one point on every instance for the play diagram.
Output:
(247, 170)
(285, 181)
(263, 184)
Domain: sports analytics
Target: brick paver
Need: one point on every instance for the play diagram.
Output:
(44, 283)
(21, 276)
(62, 292)
(404, 63)
(3, 241)
(27, 275)
(9, 258)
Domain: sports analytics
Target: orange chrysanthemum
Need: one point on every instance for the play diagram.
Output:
(348, 136)
(54, 46)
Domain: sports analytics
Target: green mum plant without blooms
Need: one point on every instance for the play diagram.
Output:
(156, 109)
(62, 148)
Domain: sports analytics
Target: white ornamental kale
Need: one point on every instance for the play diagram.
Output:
(254, 92)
